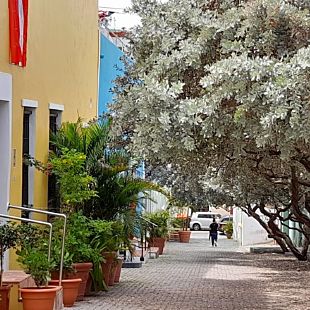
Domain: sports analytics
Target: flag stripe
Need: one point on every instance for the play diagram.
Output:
(25, 35)
(18, 22)
(21, 23)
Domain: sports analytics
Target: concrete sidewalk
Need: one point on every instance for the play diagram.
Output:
(197, 276)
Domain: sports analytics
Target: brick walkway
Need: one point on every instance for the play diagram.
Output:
(197, 276)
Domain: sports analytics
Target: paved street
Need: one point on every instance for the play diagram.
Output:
(197, 276)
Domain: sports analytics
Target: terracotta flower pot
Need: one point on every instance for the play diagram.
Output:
(228, 235)
(81, 271)
(5, 297)
(88, 286)
(118, 270)
(70, 290)
(112, 273)
(39, 298)
(159, 243)
(107, 265)
(184, 236)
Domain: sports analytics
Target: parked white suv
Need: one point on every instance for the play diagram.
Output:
(202, 220)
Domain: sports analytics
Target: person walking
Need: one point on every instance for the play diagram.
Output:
(213, 232)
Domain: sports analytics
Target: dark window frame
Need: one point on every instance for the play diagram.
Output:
(53, 199)
(25, 167)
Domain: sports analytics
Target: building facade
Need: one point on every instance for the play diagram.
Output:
(59, 83)
(111, 66)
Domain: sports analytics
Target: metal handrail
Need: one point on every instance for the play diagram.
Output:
(143, 238)
(63, 236)
(17, 218)
(148, 221)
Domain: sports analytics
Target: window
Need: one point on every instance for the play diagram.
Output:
(28, 149)
(205, 216)
(53, 200)
(53, 125)
(25, 167)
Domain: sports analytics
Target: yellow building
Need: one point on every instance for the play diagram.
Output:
(59, 83)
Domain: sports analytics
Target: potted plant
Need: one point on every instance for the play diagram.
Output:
(159, 233)
(114, 245)
(75, 188)
(70, 289)
(70, 286)
(118, 269)
(185, 234)
(107, 236)
(228, 229)
(8, 239)
(83, 254)
(33, 257)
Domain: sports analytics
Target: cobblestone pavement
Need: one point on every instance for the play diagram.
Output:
(196, 276)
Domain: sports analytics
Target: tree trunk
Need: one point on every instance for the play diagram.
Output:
(268, 229)
(273, 230)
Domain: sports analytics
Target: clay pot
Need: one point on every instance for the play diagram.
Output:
(88, 286)
(118, 269)
(184, 236)
(228, 235)
(39, 298)
(106, 266)
(112, 273)
(70, 290)
(159, 243)
(5, 297)
(81, 271)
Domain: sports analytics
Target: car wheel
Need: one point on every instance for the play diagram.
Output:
(196, 227)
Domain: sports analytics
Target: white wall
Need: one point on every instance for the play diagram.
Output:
(5, 138)
(247, 230)
(237, 223)
(159, 202)
(5, 143)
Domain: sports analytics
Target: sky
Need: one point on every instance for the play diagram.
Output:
(119, 20)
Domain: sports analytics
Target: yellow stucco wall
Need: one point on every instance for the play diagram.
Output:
(61, 68)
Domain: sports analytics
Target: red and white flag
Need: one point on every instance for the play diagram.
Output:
(18, 13)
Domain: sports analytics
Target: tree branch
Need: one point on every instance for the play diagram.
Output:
(293, 228)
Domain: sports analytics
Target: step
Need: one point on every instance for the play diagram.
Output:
(265, 249)
(153, 252)
(133, 264)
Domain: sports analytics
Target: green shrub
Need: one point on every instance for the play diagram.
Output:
(177, 222)
(228, 228)
(36, 263)
(8, 239)
(160, 218)
(32, 253)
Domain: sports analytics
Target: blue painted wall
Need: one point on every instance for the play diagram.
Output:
(110, 67)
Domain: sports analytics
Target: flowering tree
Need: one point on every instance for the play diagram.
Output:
(219, 92)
